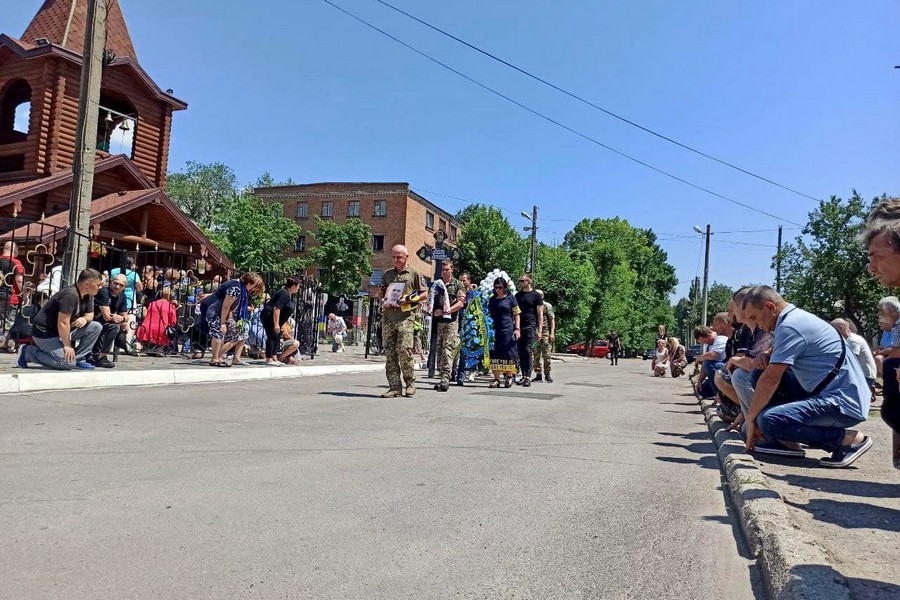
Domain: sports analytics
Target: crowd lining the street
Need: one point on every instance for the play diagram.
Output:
(789, 381)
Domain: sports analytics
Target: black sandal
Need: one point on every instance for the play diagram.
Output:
(495, 384)
(508, 382)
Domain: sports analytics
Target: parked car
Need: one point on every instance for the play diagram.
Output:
(601, 349)
(693, 352)
(649, 354)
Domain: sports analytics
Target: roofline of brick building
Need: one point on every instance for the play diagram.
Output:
(300, 190)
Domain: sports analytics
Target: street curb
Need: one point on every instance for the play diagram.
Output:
(794, 566)
(42, 380)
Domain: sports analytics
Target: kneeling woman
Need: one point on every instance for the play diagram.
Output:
(505, 313)
(225, 306)
(661, 361)
(274, 315)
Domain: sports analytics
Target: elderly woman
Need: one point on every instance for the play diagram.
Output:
(661, 361)
(223, 309)
(504, 311)
(677, 357)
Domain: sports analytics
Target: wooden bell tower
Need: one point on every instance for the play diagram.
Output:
(39, 89)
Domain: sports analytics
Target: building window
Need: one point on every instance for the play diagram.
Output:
(300, 244)
(327, 209)
(353, 208)
(302, 210)
(381, 208)
(375, 279)
(443, 226)
(453, 232)
(429, 221)
(377, 243)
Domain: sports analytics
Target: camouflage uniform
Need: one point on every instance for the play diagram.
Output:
(542, 348)
(397, 331)
(448, 332)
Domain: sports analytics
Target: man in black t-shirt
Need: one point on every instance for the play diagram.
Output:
(64, 331)
(532, 321)
(111, 308)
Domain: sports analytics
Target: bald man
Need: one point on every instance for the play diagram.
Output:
(398, 325)
(111, 311)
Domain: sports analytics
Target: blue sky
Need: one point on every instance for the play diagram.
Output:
(801, 92)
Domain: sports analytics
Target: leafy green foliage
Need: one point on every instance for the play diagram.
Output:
(342, 255)
(633, 280)
(255, 236)
(569, 284)
(488, 241)
(203, 191)
(826, 272)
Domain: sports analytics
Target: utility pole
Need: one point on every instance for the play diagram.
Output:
(533, 238)
(705, 272)
(778, 264)
(533, 229)
(706, 276)
(78, 240)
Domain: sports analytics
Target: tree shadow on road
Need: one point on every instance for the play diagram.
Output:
(867, 489)
(851, 515)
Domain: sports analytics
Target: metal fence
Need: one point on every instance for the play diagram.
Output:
(164, 295)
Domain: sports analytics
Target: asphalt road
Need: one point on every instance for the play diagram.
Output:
(603, 484)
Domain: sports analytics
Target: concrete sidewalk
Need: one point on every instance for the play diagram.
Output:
(818, 532)
(170, 370)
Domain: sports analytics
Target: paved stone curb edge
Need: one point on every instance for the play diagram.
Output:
(42, 380)
(794, 567)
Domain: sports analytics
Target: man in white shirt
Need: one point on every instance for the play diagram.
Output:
(337, 328)
(860, 349)
(713, 359)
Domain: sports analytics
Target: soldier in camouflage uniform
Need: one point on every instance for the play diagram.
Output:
(397, 323)
(545, 344)
(447, 329)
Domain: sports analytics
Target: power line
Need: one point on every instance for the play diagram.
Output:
(558, 123)
(593, 105)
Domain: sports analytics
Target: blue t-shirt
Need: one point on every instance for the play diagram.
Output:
(887, 338)
(811, 347)
(132, 278)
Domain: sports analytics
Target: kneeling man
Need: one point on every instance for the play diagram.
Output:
(836, 392)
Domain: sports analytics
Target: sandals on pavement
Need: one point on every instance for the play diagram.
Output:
(495, 384)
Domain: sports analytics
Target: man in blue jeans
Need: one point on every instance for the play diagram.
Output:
(716, 340)
(836, 393)
(64, 331)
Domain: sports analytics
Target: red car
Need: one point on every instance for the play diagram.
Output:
(601, 349)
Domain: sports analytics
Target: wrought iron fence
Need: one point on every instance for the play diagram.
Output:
(164, 294)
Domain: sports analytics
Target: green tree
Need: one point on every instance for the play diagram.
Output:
(825, 272)
(203, 191)
(488, 241)
(342, 255)
(255, 235)
(634, 280)
(569, 284)
(719, 297)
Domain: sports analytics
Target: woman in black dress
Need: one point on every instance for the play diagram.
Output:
(505, 313)
(274, 315)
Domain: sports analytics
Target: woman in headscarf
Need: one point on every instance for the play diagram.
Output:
(223, 309)
(505, 313)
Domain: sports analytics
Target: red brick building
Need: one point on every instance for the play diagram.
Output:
(40, 75)
(394, 213)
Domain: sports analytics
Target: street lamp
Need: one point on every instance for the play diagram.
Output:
(533, 229)
(705, 271)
